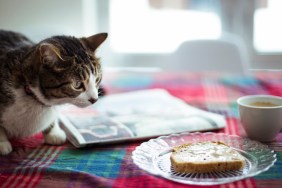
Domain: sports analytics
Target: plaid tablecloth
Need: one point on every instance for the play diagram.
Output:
(34, 164)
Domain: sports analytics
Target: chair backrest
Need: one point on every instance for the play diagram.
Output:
(227, 54)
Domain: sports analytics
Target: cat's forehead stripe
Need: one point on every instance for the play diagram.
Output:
(71, 47)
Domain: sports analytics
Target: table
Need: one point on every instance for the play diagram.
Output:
(34, 164)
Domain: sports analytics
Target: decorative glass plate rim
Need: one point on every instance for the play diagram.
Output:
(146, 154)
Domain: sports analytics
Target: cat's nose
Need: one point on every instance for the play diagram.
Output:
(92, 100)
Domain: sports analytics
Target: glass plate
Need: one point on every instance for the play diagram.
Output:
(154, 157)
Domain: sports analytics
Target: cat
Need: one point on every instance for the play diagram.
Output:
(36, 78)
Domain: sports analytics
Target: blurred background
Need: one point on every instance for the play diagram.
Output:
(185, 35)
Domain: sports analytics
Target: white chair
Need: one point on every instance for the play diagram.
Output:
(227, 54)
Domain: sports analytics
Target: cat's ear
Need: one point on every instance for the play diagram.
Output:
(94, 41)
(49, 52)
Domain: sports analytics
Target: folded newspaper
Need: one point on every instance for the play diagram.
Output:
(133, 116)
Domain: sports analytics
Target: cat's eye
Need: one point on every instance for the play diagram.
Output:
(77, 84)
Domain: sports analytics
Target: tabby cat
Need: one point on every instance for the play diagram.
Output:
(37, 78)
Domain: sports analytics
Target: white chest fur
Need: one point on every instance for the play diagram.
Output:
(27, 116)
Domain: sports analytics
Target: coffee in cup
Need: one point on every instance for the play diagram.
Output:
(261, 116)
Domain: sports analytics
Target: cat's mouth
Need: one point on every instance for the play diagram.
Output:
(29, 92)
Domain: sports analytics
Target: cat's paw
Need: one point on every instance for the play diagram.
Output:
(5, 147)
(55, 137)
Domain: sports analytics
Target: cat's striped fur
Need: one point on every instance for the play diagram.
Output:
(36, 78)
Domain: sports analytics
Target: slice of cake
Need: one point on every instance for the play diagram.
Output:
(204, 157)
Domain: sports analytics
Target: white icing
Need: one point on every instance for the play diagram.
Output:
(207, 152)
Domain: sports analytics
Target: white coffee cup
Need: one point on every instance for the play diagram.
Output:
(261, 116)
